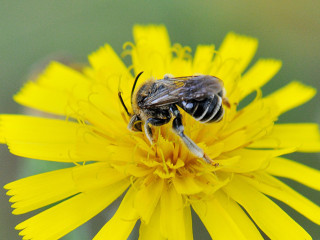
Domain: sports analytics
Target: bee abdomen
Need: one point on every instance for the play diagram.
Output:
(208, 110)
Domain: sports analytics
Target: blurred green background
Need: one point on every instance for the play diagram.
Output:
(31, 31)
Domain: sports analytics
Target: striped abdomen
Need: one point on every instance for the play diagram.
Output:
(207, 110)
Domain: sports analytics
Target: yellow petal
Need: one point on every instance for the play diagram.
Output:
(174, 216)
(138, 170)
(235, 140)
(98, 118)
(106, 58)
(79, 97)
(187, 184)
(203, 59)
(152, 53)
(110, 72)
(282, 167)
(147, 198)
(270, 218)
(57, 221)
(304, 136)
(152, 229)
(290, 96)
(52, 90)
(98, 104)
(121, 224)
(258, 75)
(252, 160)
(188, 222)
(43, 189)
(224, 219)
(58, 140)
(256, 113)
(95, 175)
(44, 99)
(40, 190)
(95, 147)
(234, 55)
(40, 138)
(276, 189)
(180, 66)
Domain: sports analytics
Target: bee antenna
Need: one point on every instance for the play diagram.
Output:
(124, 105)
(134, 84)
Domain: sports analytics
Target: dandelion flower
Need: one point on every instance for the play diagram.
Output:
(163, 181)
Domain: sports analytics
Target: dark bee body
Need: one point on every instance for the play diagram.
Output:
(150, 88)
(199, 96)
(206, 111)
(156, 101)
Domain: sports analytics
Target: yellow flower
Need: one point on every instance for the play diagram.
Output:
(163, 180)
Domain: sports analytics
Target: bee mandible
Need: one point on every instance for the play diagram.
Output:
(156, 101)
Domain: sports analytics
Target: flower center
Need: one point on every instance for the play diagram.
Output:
(169, 156)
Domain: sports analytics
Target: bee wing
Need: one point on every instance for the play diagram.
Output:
(174, 90)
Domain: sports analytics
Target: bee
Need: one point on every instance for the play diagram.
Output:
(156, 101)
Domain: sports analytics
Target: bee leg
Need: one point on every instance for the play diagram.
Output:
(179, 130)
(148, 131)
(154, 122)
(135, 123)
